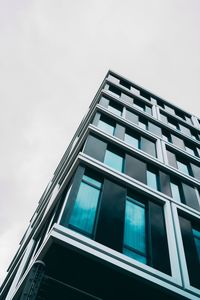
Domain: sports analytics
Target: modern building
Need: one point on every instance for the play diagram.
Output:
(120, 218)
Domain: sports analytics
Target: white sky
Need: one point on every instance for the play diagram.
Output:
(53, 57)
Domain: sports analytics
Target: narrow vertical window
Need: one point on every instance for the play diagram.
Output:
(84, 211)
(114, 159)
(175, 189)
(152, 179)
(134, 230)
(132, 140)
(166, 136)
(196, 235)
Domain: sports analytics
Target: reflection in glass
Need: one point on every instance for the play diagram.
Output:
(196, 235)
(134, 230)
(84, 210)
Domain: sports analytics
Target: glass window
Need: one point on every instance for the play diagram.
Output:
(160, 103)
(194, 135)
(134, 230)
(114, 160)
(84, 211)
(166, 136)
(142, 123)
(116, 109)
(132, 140)
(179, 114)
(145, 95)
(169, 109)
(125, 83)
(172, 124)
(152, 179)
(196, 235)
(138, 104)
(189, 150)
(108, 128)
(175, 191)
(114, 90)
(182, 167)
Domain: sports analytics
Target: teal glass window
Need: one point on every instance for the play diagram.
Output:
(84, 211)
(106, 127)
(152, 179)
(114, 160)
(175, 191)
(196, 235)
(182, 167)
(132, 140)
(134, 230)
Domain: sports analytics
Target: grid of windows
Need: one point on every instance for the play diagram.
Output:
(180, 142)
(182, 131)
(125, 213)
(90, 207)
(184, 164)
(129, 136)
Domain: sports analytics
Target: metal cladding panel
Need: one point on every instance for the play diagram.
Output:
(135, 168)
(184, 130)
(171, 159)
(165, 183)
(195, 171)
(154, 129)
(110, 226)
(148, 109)
(148, 146)
(190, 196)
(119, 131)
(104, 102)
(95, 148)
(159, 246)
(178, 142)
(126, 98)
(131, 117)
(96, 119)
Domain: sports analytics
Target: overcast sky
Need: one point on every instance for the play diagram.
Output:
(53, 57)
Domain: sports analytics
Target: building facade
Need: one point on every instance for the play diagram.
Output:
(120, 218)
